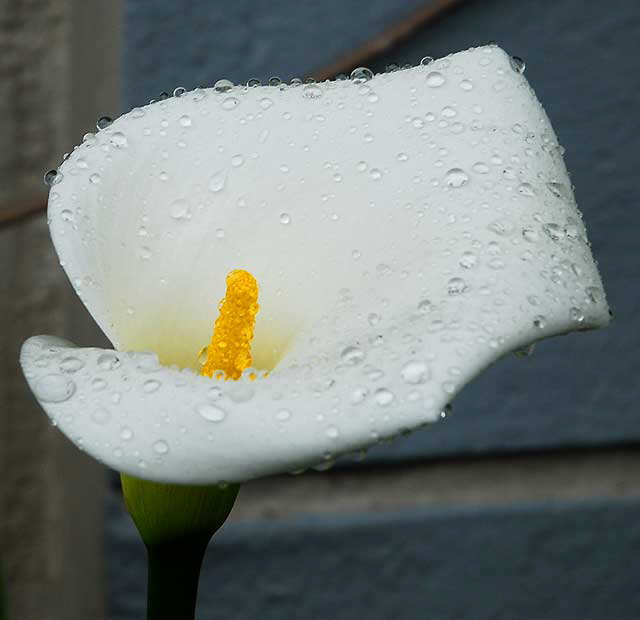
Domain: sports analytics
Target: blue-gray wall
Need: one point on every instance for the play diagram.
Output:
(565, 560)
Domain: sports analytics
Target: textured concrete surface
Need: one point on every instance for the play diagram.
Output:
(563, 561)
(55, 78)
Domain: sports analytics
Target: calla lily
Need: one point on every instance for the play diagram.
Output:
(406, 230)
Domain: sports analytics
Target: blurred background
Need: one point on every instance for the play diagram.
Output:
(525, 503)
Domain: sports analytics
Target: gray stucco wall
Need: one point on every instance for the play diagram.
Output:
(551, 562)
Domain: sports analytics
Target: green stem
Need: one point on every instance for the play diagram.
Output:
(172, 583)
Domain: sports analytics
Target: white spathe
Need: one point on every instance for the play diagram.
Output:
(405, 232)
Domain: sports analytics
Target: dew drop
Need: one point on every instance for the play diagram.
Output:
(218, 181)
(540, 321)
(52, 177)
(576, 315)
(352, 355)
(456, 177)
(517, 64)
(559, 190)
(359, 395)
(332, 432)
(54, 388)
(266, 103)
(426, 60)
(435, 79)
(179, 209)
(103, 122)
(553, 231)
(384, 397)
(70, 365)
(98, 384)
(594, 294)
(311, 91)
(456, 286)
(237, 160)
(222, 86)
(468, 260)
(95, 179)
(151, 385)
(126, 433)
(283, 415)
(530, 235)
(185, 121)
(108, 361)
(210, 413)
(160, 447)
(525, 189)
(414, 372)
(361, 74)
(229, 103)
(179, 91)
(285, 218)
(119, 140)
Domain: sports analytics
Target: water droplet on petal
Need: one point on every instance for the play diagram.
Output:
(108, 361)
(311, 91)
(540, 321)
(229, 103)
(576, 315)
(151, 385)
(119, 140)
(352, 355)
(285, 218)
(222, 86)
(554, 231)
(179, 209)
(51, 177)
(54, 388)
(218, 181)
(359, 395)
(211, 413)
(70, 365)
(283, 415)
(517, 64)
(384, 397)
(103, 122)
(361, 74)
(456, 177)
(185, 121)
(456, 286)
(468, 260)
(435, 79)
(415, 372)
(160, 447)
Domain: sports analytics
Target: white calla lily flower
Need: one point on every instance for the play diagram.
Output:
(405, 232)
